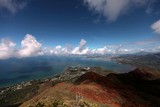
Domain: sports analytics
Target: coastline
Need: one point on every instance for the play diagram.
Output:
(66, 75)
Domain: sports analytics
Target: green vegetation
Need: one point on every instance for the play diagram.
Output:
(12, 97)
(58, 102)
(40, 104)
(61, 103)
(54, 103)
(88, 104)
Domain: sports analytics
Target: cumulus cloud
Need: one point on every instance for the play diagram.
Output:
(12, 5)
(156, 26)
(30, 47)
(112, 9)
(158, 48)
(6, 48)
(82, 44)
(57, 50)
(101, 51)
(81, 48)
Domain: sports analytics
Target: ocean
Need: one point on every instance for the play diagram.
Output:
(13, 71)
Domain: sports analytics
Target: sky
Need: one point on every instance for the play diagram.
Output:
(80, 27)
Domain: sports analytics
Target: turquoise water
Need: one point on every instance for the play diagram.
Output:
(13, 71)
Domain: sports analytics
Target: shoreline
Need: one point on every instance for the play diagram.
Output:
(31, 72)
(66, 75)
(23, 84)
(54, 75)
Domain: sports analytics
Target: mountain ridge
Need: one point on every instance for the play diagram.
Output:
(110, 90)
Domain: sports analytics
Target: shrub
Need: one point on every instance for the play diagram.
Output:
(39, 104)
(58, 102)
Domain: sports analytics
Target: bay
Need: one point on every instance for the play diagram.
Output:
(13, 71)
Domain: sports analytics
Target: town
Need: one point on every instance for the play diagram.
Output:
(69, 74)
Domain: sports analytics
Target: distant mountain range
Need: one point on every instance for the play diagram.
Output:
(143, 60)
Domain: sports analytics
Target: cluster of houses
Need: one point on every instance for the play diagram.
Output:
(68, 74)
(15, 87)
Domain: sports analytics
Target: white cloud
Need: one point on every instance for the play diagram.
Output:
(12, 5)
(81, 48)
(113, 49)
(112, 9)
(30, 47)
(58, 47)
(82, 44)
(124, 51)
(156, 26)
(57, 50)
(6, 48)
(101, 51)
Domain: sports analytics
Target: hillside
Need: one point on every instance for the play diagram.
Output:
(19, 93)
(95, 90)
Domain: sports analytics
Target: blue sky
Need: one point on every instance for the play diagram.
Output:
(65, 23)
